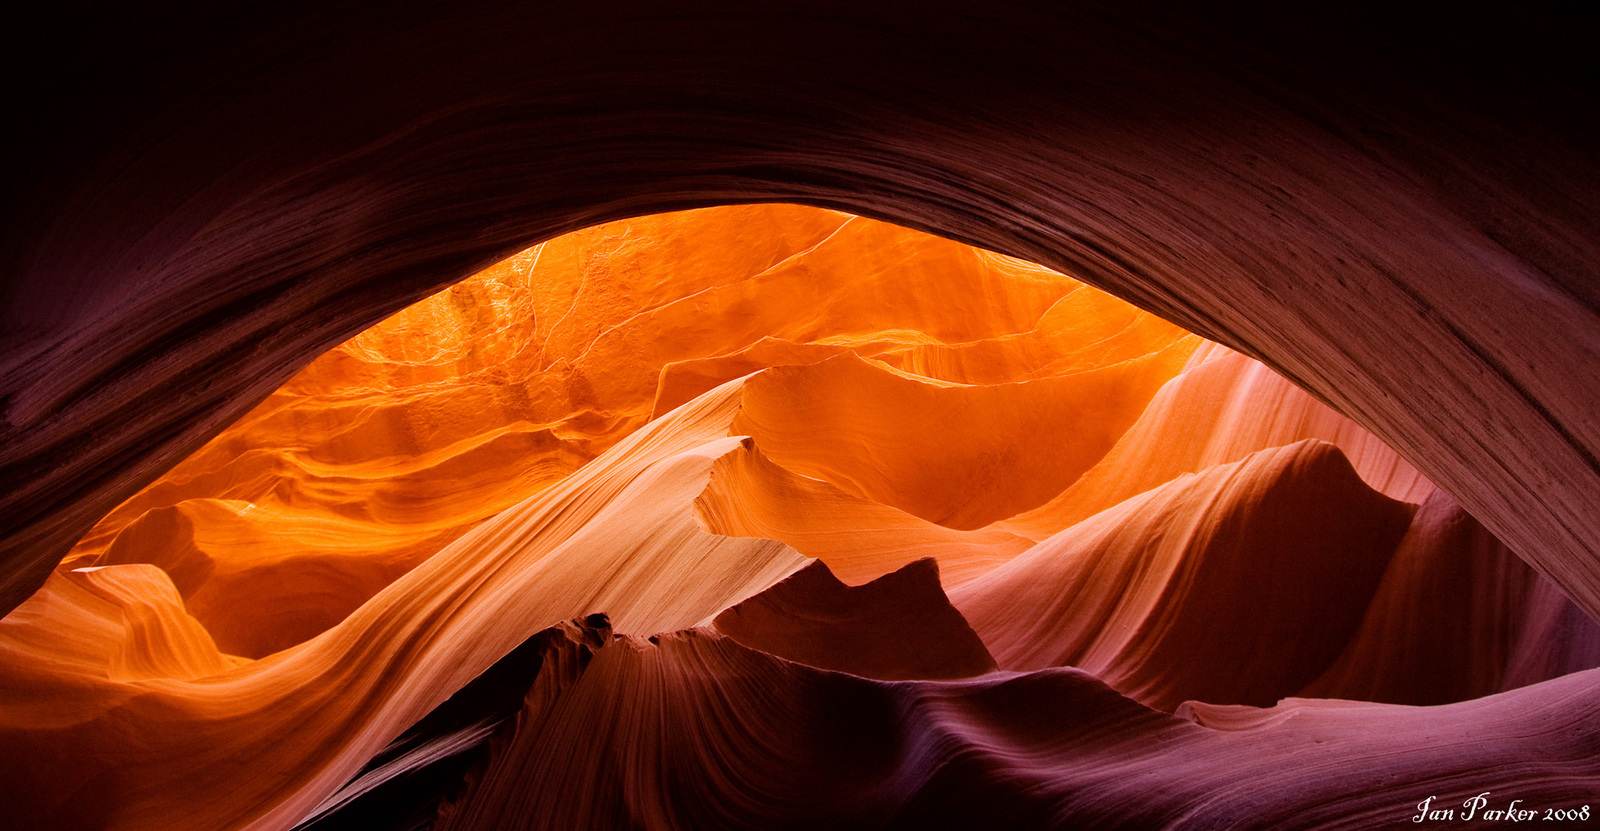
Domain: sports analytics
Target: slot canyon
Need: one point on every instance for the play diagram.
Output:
(799, 415)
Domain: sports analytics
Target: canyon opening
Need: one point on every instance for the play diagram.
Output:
(769, 516)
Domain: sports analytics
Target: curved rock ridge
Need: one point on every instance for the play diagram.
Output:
(1223, 407)
(1085, 329)
(620, 535)
(751, 496)
(897, 627)
(105, 625)
(263, 578)
(960, 455)
(1236, 585)
(1458, 616)
(693, 730)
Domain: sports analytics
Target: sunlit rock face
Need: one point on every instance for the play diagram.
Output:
(769, 516)
(397, 442)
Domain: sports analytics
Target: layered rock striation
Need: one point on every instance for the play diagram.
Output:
(770, 516)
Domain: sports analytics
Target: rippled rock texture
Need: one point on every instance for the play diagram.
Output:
(1393, 205)
(779, 517)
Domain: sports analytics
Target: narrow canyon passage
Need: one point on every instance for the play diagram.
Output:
(744, 545)
(769, 516)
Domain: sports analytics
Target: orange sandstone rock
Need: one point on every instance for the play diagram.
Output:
(699, 419)
(1238, 585)
(397, 442)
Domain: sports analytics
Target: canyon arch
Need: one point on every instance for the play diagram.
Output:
(1397, 210)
